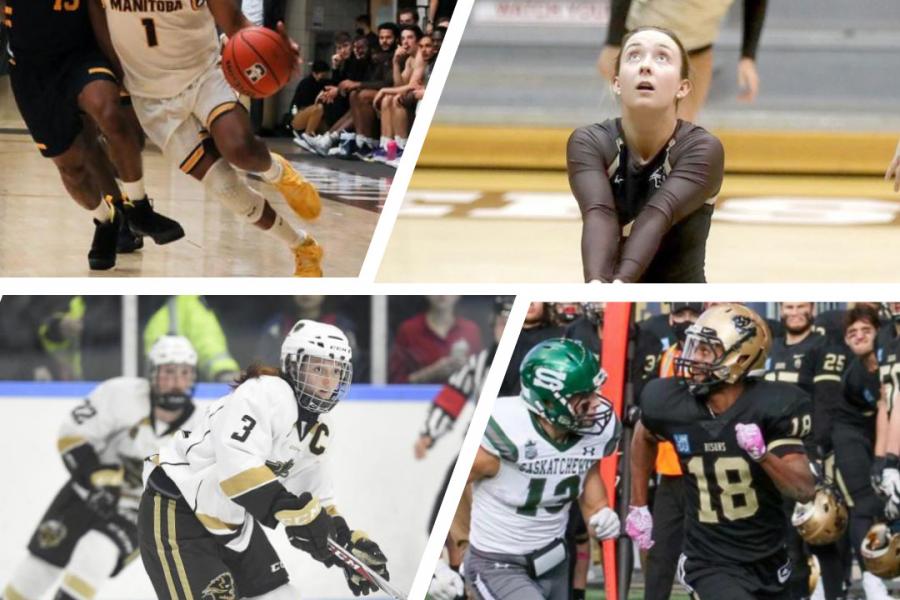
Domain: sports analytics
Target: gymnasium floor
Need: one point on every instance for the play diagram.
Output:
(44, 233)
(524, 226)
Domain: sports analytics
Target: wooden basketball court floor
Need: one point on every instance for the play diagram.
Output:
(523, 226)
(44, 233)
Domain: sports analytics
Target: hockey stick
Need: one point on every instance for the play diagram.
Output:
(362, 569)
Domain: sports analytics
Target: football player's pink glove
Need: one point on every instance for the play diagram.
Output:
(750, 439)
(639, 526)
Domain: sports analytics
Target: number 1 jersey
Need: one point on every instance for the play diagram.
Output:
(525, 506)
(734, 510)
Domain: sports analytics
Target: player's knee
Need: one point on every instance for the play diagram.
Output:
(222, 183)
(236, 149)
(284, 592)
(73, 171)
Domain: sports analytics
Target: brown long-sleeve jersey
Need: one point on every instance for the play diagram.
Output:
(647, 222)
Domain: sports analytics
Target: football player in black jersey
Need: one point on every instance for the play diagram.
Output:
(740, 444)
(853, 432)
(795, 358)
(886, 472)
(63, 85)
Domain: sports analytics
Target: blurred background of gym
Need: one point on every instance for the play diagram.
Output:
(803, 197)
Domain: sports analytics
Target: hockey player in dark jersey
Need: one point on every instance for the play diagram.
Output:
(740, 445)
(646, 183)
(58, 75)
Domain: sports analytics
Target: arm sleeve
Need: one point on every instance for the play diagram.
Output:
(696, 177)
(589, 183)
(651, 415)
(618, 15)
(787, 431)
(85, 429)
(754, 17)
(242, 439)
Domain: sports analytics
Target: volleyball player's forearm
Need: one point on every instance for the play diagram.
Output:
(754, 17)
(640, 248)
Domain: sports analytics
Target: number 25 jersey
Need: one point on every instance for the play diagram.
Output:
(734, 510)
(525, 506)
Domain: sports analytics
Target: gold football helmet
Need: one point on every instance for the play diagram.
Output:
(824, 519)
(881, 551)
(728, 342)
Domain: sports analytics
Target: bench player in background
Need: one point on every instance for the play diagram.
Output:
(258, 458)
(169, 57)
(740, 445)
(520, 508)
(63, 85)
(89, 533)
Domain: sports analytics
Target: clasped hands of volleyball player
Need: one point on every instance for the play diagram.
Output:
(639, 522)
(309, 526)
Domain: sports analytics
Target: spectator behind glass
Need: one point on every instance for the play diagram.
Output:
(431, 345)
(306, 106)
(277, 326)
(189, 316)
(81, 336)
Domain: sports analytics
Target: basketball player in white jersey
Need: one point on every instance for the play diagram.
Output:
(89, 532)
(539, 454)
(168, 52)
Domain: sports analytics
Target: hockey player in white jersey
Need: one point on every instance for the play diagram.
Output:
(89, 533)
(168, 53)
(258, 459)
(540, 453)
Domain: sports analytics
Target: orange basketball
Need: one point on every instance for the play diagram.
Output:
(257, 62)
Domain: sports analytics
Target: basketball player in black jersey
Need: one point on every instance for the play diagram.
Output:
(59, 79)
(646, 183)
(740, 444)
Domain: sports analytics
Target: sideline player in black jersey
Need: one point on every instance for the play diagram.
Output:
(646, 183)
(853, 432)
(538, 327)
(58, 76)
(886, 471)
(740, 444)
(795, 358)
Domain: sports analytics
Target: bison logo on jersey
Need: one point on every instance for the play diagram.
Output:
(255, 72)
(220, 588)
(281, 469)
(50, 534)
(658, 177)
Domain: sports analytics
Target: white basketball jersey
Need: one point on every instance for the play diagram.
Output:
(164, 45)
(115, 419)
(526, 505)
(248, 438)
(696, 22)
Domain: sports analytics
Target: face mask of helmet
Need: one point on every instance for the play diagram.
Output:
(166, 396)
(700, 363)
(319, 383)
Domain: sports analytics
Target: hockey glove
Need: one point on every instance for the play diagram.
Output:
(639, 526)
(306, 523)
(750, 440)
(369, 553)
(446, 584)
(105, 491)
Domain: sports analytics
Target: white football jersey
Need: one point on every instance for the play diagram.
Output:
(525, 506)
(246, 440)
(115, 420)
(163, 45)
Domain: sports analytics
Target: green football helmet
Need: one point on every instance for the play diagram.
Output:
(552, 373)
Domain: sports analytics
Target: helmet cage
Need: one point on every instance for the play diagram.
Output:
(310, 387)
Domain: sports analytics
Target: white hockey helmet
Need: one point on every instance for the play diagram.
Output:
(171, 350)
(315, 357)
